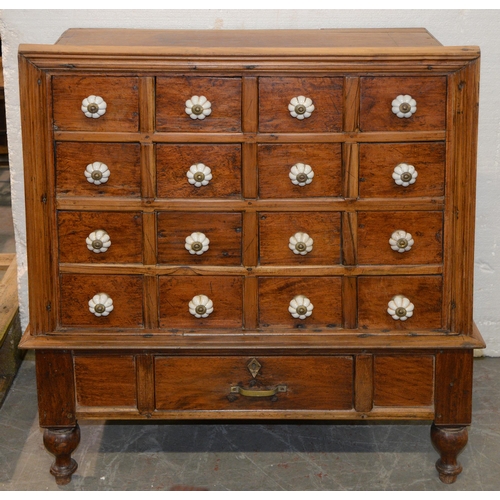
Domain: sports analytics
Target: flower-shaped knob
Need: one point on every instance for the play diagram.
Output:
(94, 106)
(97, 173)
(101, 304)
(198, 107)
(404, 174)
(301, 174)
(98, 241)
(401, 241)
(200, 306)
(300, 243)
(199, 175)
(301, 107)
(197, 243)
(404, 106)
(400, 308)
(300, 307)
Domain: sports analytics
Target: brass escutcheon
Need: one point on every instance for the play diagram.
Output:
(253, 367)
(400, 311)
(97, 244)
(96, 175)
(199, 176)
(405, 107)
(201, 310)
(100, 308)
(300, 246)
(197, 246)
(302, 177)
(197, 109)
(93, 107)
(301, 310)
(406, 177)
(402, 243)
(300, 109)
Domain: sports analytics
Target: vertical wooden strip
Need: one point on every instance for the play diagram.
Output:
(150, 301)
(363, 382)
(453, 387)
(350, 161)
(149, 232)
(349, 238)
(351, 103)
(56, 388)
(350, 301)
(250, 303)
(249, 175)
(250, 239)
(249, 104)
(148, 171)
(146, 105)
(145, 384)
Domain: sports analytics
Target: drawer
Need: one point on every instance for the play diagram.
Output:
(217, 241)
(276, 296)
(223, 98)
(376, 292)
(210, 383)
(299, 170)
(125, 292)
(100, 237)
(201, 302)
(177, 167)
(280, 231)
(377, 175)
(98, 169)
(120, 95)
(378, 93)
(400, 237)
(278, 94)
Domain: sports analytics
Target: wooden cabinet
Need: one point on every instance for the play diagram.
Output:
(251, 225)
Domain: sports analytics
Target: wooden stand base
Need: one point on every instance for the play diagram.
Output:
(61, 443)
(449, 442)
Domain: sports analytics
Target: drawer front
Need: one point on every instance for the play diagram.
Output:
(299, 238)
(204, 383)
(100, 237)
(280, 300)
(98, 169)
(198, 170)
(276, 97)
(222, 300)
(299, 170)
(125, 292)
(223, 99)
(375, 293)
(380, 177)
(217, 241)
(120, 95)
(400, 237)
(377, 96)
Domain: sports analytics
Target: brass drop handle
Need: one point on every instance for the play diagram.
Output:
(257, 393)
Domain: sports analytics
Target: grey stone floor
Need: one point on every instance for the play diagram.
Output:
(120, 456)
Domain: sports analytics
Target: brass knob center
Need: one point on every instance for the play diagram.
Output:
(93, 107)
(405, 107)
(300, 246)
(100, 308)
(201, 310)
(97, 244)
(402, 243)
(400, 311)
(301, 310)
(197, 246)
(300, 109)
(302, 177)
(197, 109)
(96, 175)
(406, 177)
(199, 177)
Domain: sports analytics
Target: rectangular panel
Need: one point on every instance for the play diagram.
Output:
(275, 295)
(404, 380)
(276, 229)
(299, 170)
(204, 383)
(198, 170)
(120, 106)
(225, 293)
(222, 230)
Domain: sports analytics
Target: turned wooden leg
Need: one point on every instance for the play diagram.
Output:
(449, 442)
(61, 443)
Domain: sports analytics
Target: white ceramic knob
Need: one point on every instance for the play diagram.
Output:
(101, 304)
(197, 243)
(404, 174)
(198, 107)
(400, 308)
(300, 243)
(98, 241)
(301, 107)
(201, 306)
(300, 307)
(94, 106)
(199, 175)
(301, 174)
(97, 173)
(401, 241)
(404, 106)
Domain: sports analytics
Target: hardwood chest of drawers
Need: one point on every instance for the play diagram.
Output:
(250, 225)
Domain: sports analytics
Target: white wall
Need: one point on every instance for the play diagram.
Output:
(450, 27)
